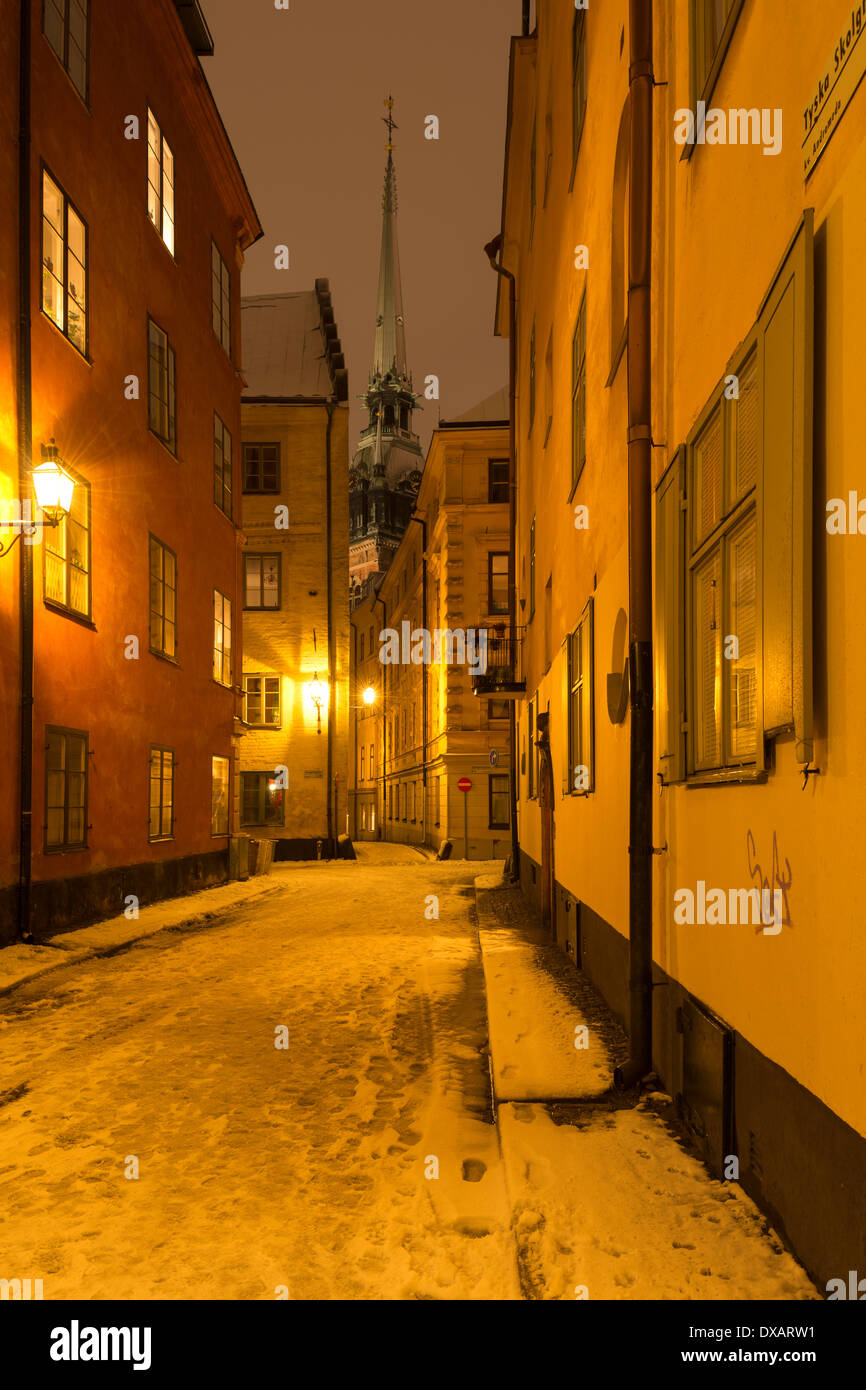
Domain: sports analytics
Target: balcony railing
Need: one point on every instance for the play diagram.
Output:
(503, 676)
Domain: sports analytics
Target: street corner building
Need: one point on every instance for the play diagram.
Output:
(293, 753)
(125, 223)
(690, 559)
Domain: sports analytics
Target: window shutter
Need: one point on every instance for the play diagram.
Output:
(669, 623)
(785, 345)
(566, 696)
(587, 706)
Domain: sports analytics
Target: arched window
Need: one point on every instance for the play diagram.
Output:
(388, 418)
(404, 417)
(619, 245)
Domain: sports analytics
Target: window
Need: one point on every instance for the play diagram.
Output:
(219, 805)
(578, 83)
(712, 23)
(161, 386)
(222, 638)
(66, 766)
(578, 396)
(532, 568)
(533, 162)
(372, 641)
(221, 298)
(497, 480)
(261, 467)
(532, 377)
(579, 769)
(619, 244)
(372, 760)
(362, 773)
(497, 795)
(222, 466)
(361, 648)
(363, 817)
(497, 709)
(437, 800)
(733, 555)
(261, 581)
(64, 264)
(497, 582)
(263, 799)
(65, 25)
(531, 751)
(66, 556)
(161, 803)
(262, 705)
(160, 182)
(163, 599)
(548, 387)
(412, 802)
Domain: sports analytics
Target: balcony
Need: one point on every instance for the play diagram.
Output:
(503, 678)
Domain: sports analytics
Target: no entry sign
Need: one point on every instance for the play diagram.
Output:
(465, 784)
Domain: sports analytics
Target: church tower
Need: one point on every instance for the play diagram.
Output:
(386, 469)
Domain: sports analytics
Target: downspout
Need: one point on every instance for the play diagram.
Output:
(384, 818)
(526, 10)
(332, 674)
(25, 455)
(494, 250)
(639, 361)
(423, 524)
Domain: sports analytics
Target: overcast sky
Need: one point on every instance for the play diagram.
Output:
(302, 96)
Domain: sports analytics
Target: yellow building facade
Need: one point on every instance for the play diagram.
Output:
(293, 750)
(754, 174)
(427, 729)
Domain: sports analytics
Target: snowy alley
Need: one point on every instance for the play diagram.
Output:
(298, 1100)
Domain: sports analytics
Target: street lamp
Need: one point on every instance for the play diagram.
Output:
(318, 693)
(54, 488)
(369, 696)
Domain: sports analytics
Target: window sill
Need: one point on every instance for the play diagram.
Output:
(164, 656)
(82, 356)
(63, 612)
(618, 354)
(160, 839)
(725, 776)
(172, 452)
(65, 849)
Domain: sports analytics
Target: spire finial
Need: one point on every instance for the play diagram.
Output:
(390, 122)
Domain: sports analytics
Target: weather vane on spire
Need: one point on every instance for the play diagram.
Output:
(390, 122)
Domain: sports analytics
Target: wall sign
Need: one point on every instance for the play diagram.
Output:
(837, 82)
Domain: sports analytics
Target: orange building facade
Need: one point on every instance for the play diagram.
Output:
(138, 220)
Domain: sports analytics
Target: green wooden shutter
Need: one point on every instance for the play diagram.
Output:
(564, 654)
(669, 628)
(587, 706)
(785, 346)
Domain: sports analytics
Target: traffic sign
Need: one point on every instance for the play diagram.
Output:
(465, 784)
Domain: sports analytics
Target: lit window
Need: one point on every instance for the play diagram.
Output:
(64, 24)
(161, 804)
(222, 466)
(66, 556)
(163, 599)
(497, 582)
(161, 386)
(581, 753)
(222, 638)
(160, 182)
(64, 264)
(66, 768)
(219, 806)
(221, 299)
(261, 581)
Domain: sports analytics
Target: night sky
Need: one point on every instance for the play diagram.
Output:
(302, 96)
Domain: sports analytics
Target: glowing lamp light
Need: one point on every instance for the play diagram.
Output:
(53, 485)
(318, 694)
(369, 696)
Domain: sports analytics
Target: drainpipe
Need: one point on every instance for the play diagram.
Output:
(423, 524)
(526, 10)
(332, 673)
(640, 543)
(25, 455)
(384, 820)
(494, 250)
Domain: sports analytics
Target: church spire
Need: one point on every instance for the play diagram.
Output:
(389, 350)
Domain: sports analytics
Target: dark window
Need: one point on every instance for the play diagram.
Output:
(532, 568)
(163, 599)
(532, 377)
(66, 766)
(497, 785)
(711, 27)
(578, 81)
(221, 298)
(497, 480)
(578, 396)
(361, 648)
(65, 25)
(262, 581)
(222, 466)
(161, 386)
(66, 556)
(261, 467)
(64, 264)
(160, 181)
(497, 582)
(161, 802)
(262, 708)
(497, 709)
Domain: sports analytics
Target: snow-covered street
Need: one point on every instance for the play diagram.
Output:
(296, 1099)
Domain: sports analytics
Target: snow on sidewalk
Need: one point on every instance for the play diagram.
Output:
(610, 1206)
